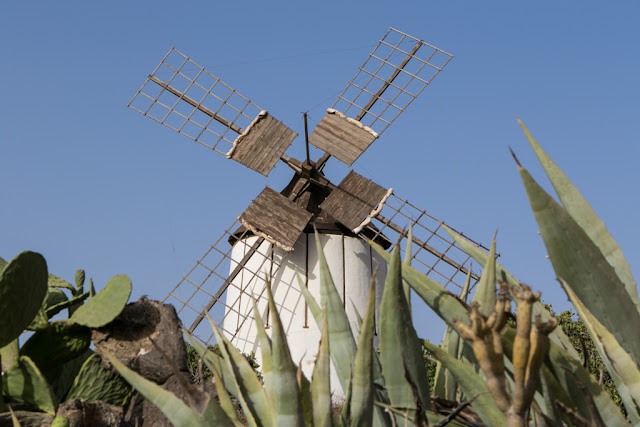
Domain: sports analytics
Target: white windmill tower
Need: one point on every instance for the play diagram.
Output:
(273, 237)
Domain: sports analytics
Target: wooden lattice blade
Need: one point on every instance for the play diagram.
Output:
(275, 218)
(185, 97)
(392, 76)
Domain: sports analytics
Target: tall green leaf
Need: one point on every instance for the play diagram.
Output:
(288, 406)
(622, 367)
(320, 380)
(265, 352)
(251, 394)
(398, 339)
(23, 286)
(584, 215)
(178, 412)
(472, 384)
(485, 294)
(362, 391)
(578, 260)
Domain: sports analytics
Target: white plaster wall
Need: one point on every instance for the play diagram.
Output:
(351, 262)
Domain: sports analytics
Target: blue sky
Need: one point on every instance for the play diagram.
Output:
(91, 184)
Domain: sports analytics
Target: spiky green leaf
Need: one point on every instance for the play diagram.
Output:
(578, 260)
(398, 339)
(485, 294)
(621, 366)
(178, 412)
(320, 380)
(584, 215)
(288, 406)
(362, 392)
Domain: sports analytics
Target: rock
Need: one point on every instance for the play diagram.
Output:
(131, 337)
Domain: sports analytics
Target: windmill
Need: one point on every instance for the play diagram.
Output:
(273, 237)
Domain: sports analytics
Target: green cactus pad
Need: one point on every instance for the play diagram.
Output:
(105, 306)
(51, 347)
(24, 383)
(95, 382)
(23, 286)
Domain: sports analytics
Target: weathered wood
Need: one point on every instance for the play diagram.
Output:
(264, 142)
(276, 218)
(353, 200)
(196, 104)
(343, 138)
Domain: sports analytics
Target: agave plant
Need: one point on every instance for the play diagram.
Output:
(508, 375)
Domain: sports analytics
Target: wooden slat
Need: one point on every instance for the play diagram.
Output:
(341, 138)
(352, 201)
(263, 144)
(279, 219)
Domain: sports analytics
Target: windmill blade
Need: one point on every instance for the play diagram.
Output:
(185, 97)
(368, 209)
(222, 287)
(394, 74)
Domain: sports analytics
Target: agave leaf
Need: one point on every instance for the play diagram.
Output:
(485, 294)
(57, 282)
(3, 264)
(622, 367)
(362, 391)
(407, 261)
(584, 215)
(288, 407)
(320, 380)
(214, 361)
(341, 341)
(24, 383)
(23, 286)
(557, 335)
(56, 344)
(397, 336)
(178, 412)
(265, 351)
(251, 394)
(95, 382)
(446, 305)
(305, 396)
(578, 260)
(106, 305)
(471, 384)
(223, 395)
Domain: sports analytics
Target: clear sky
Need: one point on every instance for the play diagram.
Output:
(92, 184)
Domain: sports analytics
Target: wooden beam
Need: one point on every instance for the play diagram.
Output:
(194, 103)
(386, 84)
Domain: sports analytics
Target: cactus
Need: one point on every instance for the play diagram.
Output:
(95, 382)
(106, 305)
(23, 286)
